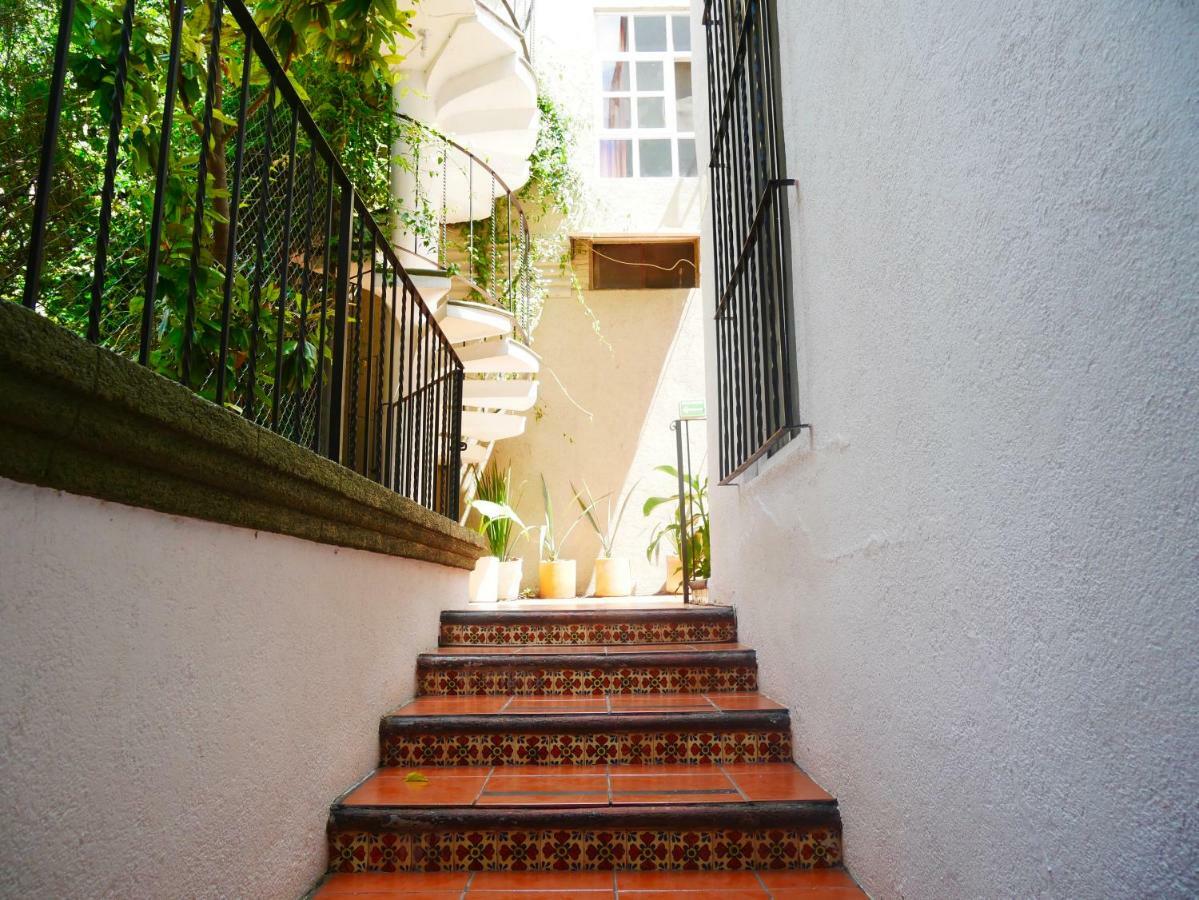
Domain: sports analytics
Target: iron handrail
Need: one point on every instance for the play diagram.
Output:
(517, 298)
(313, 262)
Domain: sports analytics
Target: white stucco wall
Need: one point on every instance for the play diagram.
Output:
(975, 581)
(183, 700)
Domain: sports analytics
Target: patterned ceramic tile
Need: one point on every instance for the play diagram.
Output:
(585, 749)
(349, 852)
(585, 850)
(505, 634)
(541, 680)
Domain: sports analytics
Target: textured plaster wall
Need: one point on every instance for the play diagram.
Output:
(603, 417)
(605, 406)
(183, 700)
(975, 582)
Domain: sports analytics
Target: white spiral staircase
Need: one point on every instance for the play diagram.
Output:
(467, 76)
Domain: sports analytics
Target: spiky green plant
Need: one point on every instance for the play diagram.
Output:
(608, 531)
(497, 518)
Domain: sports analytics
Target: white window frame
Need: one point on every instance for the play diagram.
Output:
(631, 57)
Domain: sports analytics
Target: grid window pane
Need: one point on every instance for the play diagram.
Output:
(650, 76)
(687, 164)
(618, 112)
(681, 26)
(612, 34)
(651, 112)
(614, 76)
(616, 159)
(651, 34)
(655, 158)
(682, 94)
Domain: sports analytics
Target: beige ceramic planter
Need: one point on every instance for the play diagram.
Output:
(557, 580)
(674, 575)
(509, 579)
(484, 580)
(613, 576)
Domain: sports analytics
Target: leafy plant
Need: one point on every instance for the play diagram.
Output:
(493, 502)
(608, 531)
(697, 540)
(551, 547)
(336, 51)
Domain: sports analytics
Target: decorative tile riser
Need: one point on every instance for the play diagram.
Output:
(583, 633)
(690, 680)
(583, 850)
(586, 749)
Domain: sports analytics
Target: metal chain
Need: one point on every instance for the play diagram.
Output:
(494, 246)
(445, 160)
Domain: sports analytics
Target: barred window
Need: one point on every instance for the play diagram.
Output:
(755, 350)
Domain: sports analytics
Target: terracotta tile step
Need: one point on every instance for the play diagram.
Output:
(759, 884)
(712, 837)
(588, 626)
(586, 785)
(422, 737)
(675, 671)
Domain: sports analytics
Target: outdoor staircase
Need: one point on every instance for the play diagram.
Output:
(614, 749)
(467, 75)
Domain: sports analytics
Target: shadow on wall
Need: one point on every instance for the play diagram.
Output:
(604, 414)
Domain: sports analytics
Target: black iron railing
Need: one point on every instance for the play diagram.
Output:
(518, 15)
(694, 537)
(755, 349)
(482, 237)
(257, 276)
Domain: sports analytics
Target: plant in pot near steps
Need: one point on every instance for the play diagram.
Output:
(613, 574)
(501, 526)
(694, 501)
(556, 575)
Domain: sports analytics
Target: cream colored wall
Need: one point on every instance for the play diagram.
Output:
(183, 700)
(604, 412)
(606, 403)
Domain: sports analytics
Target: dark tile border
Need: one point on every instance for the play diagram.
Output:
(664, 659)
(754, 720)
(581, 616)
(738, 816)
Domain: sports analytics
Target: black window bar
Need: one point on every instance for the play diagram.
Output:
(270, 289)
(755, 352)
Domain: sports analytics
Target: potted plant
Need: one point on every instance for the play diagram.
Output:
(556, 575)
(694, 500)
(501, 526)
(613, 574)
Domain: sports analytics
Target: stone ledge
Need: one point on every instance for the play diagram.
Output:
(81, 419)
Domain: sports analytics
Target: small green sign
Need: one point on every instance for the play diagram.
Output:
(693, 409)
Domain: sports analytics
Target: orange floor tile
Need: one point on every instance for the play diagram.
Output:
(568, 785)
(499, 704)
(816, 884)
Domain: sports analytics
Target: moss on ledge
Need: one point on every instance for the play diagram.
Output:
(82, 419)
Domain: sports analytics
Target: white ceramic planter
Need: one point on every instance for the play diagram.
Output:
(674, 575)
(613, 576)
(510, 575)
(484, 580)
(557, 580)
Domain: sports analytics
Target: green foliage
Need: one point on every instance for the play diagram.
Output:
(494, 504)
(334, 50)
(554, 181)
(611, 527)
(551, 545)
(694, 503)
(554, 189)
